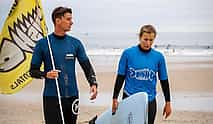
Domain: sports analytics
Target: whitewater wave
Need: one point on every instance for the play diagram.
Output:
(167, 52)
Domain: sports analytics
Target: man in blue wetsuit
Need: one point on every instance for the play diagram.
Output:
(66, 49)
(139, 67)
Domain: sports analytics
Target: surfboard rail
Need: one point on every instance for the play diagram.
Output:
(132, 110)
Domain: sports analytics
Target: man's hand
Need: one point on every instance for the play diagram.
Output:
(93, 92)
(167, 110)
(52, 74)
(114, 106)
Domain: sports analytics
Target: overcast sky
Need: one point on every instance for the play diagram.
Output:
(129, 15)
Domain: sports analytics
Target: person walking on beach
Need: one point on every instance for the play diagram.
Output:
(139, 67)
(66, 49)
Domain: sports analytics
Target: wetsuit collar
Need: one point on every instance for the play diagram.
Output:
(142, 50)
(59, 37)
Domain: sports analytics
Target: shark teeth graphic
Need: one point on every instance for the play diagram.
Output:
(22, 40)
(28, 31)
(24, 34)
(10, 56)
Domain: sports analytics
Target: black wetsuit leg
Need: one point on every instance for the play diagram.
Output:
(52, 113)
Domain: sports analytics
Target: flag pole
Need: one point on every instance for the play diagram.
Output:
(56, 79)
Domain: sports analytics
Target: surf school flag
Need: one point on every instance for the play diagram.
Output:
(23, 27)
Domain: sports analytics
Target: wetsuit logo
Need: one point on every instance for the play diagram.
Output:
(142, 74)
(75, 107)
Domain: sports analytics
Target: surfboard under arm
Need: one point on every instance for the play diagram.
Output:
(132, 110)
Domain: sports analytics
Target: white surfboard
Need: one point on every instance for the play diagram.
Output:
(132, 110)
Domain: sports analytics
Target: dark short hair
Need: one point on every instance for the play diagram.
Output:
(147, 29)
(59, 12)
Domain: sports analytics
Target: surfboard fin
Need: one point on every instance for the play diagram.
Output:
(92, 121)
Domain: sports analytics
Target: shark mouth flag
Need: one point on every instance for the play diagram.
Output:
(24, 26)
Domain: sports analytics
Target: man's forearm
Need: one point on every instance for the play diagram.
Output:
(36, 73)
(89, 72)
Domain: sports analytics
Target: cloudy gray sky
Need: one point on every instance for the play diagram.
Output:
(129, 15)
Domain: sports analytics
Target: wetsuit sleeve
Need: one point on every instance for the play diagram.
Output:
(36, 73)
(122, 66)
(36, 62)
(89, 72)
(86, 65)
(81, 53)
(118, 85)
(166, 89)
(162, 73)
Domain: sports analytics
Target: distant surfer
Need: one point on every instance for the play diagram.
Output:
(139, 67)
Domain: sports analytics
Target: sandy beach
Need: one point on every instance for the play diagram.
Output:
(191, 89)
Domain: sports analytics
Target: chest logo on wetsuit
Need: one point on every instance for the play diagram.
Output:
(69, 56)
(75, 107)
(142, 74)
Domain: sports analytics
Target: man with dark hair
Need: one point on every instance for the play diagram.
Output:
(139, 67)
(65, 50)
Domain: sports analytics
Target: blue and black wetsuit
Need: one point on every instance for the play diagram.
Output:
(139, 69)
(66, 49)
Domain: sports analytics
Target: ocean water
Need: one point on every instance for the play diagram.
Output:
(169, 43)
(120, 40)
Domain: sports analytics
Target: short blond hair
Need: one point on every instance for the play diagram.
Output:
(147, 29)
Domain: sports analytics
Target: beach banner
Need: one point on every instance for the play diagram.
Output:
(23, 27)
